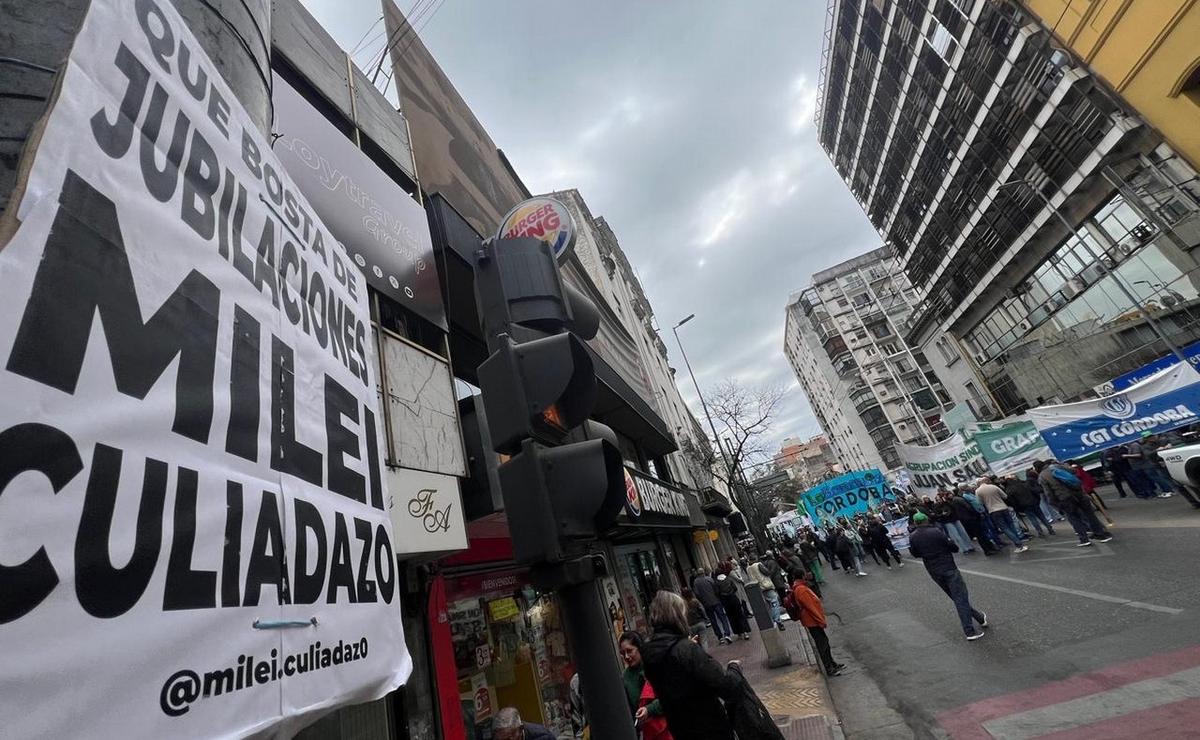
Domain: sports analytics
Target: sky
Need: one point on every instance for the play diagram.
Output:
(688, 125)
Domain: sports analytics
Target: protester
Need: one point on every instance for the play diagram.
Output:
(690, 685)
(970, 519)
(856, 544)
(770, 595)
(992, 498)
(1025, 502)
(1088, 484)
(645, 708)
(727, 592)
(1117, 467)
(947, 520)
(1140, 466)
(812, 617)
(1052, 514)
(881, 543)
(508, 726)
(705, 589)
(936, 550)
(809, 555)
(1157, 470)
(845, 553)
(1061, 485)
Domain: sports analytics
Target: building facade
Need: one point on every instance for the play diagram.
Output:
(1042, 224)
(808, 461)
(1145, 52)
(868, 388)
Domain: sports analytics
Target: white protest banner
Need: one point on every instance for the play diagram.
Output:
(946, 464)
(193, 534)
(1164, 401)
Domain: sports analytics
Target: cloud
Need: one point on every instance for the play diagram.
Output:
(690, 133)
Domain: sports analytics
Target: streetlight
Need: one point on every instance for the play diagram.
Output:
(703, 405)
(1125, 289)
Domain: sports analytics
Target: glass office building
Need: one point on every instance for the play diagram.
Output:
(1015, 190)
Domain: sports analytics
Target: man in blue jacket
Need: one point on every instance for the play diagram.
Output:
(937, 550)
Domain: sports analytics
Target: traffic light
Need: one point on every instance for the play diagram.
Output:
(564, 483)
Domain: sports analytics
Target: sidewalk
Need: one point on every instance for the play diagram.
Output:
(796, 695)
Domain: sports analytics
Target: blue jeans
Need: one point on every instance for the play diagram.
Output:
(720, 620)
(1141, 482)
(772, 598)
(1036, 519)
(1048, 509)
(1160, 478)
(955, 531)
(1004, 522)
(956, 588)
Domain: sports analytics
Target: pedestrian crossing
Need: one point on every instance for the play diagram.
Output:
(1158, 696)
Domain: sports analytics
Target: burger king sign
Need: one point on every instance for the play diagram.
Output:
(541, 218)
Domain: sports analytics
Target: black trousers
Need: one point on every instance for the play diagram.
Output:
(821, 642)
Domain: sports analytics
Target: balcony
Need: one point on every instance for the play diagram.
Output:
(714, 503)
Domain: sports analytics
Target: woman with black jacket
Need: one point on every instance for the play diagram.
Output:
(690, 685)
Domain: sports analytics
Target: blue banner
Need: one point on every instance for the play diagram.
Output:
(1121, 382)
(1165, 401)
(846, 495)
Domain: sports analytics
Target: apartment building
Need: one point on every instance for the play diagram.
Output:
(868, 388)
(808, 461)
(1042, 224)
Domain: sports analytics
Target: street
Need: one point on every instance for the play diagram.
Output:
(1095, 642)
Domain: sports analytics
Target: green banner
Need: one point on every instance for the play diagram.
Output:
(1012, 447)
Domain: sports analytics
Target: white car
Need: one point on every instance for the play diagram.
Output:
(1183, 463)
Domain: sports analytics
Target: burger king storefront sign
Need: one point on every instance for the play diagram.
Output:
(541, 218)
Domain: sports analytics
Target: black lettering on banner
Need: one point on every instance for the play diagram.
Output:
(288, 257)
(264, 263)
(84, 270)
(186, 588)
(160, 182)
(104, 590)
(366, 587)
(231, 555)
(384, 556)
(373, 459)
(162, 42)
(341, 441)
(201, 178)
(288, 455)
(241, 438)
(307, 587)
(266, 555)
(114, 137)
(29, 448)
(341, 572)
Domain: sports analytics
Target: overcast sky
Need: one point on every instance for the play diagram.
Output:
(688, 126)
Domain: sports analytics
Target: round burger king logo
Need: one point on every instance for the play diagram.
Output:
(541, 218)
(633, 501)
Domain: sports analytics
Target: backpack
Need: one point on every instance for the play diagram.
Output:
(1066, 476)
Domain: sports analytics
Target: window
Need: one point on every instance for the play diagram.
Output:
(947, 352)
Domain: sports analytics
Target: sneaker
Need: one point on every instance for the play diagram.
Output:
(1085, 544)
(1105, 538)
(1022, 548)
(746, 636)
(974, 636)
(889, 567)
(833, 672)
(900, 563)
(984, 623)
(1165, 495)
(860, 573)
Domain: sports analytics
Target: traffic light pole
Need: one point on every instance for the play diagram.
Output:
(587, 626)
(563, 482)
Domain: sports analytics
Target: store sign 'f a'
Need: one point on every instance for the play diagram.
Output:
(633, 500)
(541, 218)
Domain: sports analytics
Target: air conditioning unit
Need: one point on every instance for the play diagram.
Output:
(1024, 325)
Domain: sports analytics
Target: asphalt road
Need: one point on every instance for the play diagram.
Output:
(1092, 642)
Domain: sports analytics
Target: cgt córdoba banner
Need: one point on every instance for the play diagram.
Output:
(193, 533)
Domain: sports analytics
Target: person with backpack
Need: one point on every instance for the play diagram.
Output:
(992, 498)
(1066, 491)
(811, 615)
(1022, 498)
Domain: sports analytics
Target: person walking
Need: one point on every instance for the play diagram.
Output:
(691, 687)
(856, 544)
(845, 553)
(947, 520)
(881, 544)
(1052, 514)
(812, 618)
(810, 556)
(1061, 486)
(1157, 471)
(936, 550)
(1088, 484)
(1118, 468)
(992, 498)
(643, 704)
(697, 620)
(705, 589)
(1025, 502)
(767, 585)
(1139, 470)
(727, 592)
(971, 521)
